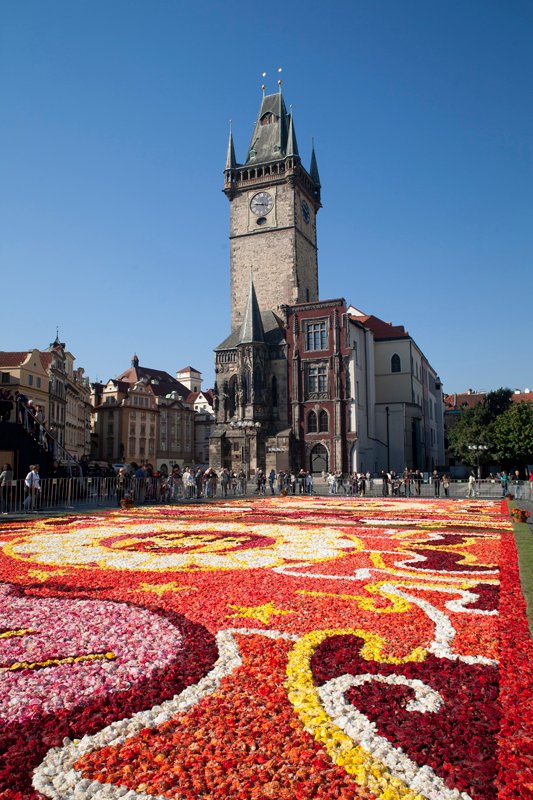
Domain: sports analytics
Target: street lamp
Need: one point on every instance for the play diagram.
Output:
(478, 449)
(248, 428)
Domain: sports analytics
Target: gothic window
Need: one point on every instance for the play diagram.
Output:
(316, 335)
(232, 389)
(258, 384)
(267, 119)
(312, 425)
(395, 363)
(323, 422)
(317, 378)
(274, 391)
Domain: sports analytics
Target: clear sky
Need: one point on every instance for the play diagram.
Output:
(114, 121)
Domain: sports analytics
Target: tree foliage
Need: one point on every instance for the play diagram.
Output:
(471, 429)
(504, 427)
(497, 402)
(512, 435)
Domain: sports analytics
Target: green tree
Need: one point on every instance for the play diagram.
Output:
(471, 430)
(512, 435)
(497, 402)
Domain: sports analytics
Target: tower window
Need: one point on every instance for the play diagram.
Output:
(395, 363)
(323, 422)
(312, 425)
(316, 335)
(267, 119)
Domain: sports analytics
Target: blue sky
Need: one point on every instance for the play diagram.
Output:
(113, 135)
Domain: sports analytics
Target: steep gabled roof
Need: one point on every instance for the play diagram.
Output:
(380, 328)
(13, 359)
(269, 141)
(274, 332)
(207, 395)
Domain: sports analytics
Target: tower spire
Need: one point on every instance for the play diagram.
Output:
(231, 161)
(313, 169)
(252, 325)
(292, 147)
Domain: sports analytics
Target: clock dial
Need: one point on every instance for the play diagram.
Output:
(305, 212)
(262, 203)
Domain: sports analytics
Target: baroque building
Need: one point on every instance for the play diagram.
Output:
(303, 382)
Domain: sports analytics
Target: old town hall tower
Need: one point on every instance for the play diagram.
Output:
(273, 265)
(273, 207)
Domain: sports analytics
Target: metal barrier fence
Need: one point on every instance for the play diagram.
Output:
(71, 493)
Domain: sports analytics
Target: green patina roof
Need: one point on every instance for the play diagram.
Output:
(270, 142)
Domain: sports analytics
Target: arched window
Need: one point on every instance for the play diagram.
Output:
(274, 391)
(319, 459)
(395, 363)
(312, 424)
(323, 422)
(258, 384)
(232, 392)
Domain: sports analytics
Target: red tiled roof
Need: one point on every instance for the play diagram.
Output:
(165, 383)
(190, 369)
(522, 397)
(46, 359)
(193, 396)
(463, 400)
(380, 328)
(13, 359)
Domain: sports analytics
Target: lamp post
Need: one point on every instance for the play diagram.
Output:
(248, 428)
(478, 449)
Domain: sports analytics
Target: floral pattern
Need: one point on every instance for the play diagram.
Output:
(276, 648)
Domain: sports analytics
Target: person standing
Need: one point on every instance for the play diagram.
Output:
(446, 484)
(32, 486)
(436, 482)
(384, 483)
(504, 480)
(517, 483)
(6, 483)
(271, 480)
(471, 485)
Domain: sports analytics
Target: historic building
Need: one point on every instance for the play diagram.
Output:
(49, 379)
(304, 382)
(143, 416)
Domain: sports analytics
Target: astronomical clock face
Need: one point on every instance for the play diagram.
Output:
(262, 203)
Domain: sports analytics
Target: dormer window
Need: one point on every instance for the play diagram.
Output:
(268, 118)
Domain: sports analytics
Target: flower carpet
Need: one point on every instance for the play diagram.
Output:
(271, 649)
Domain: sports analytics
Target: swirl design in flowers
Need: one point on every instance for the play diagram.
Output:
(183, 544)
(284, 648)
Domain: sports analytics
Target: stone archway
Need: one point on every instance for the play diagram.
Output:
(319, 459)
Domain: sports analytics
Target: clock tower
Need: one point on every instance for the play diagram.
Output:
(273, 207)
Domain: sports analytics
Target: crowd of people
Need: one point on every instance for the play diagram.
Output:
(19, 408)
(136, 484)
